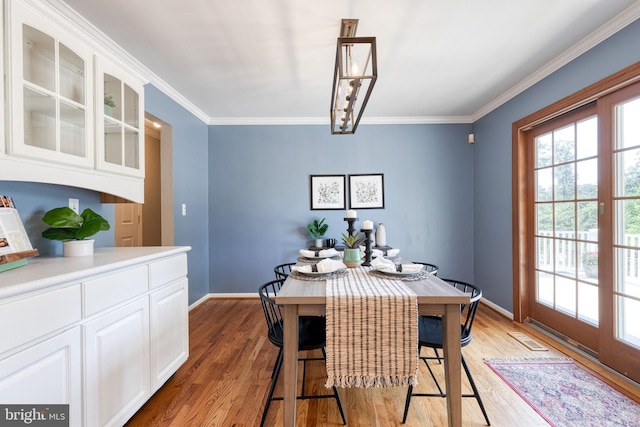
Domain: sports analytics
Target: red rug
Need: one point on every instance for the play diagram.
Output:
(565, 394)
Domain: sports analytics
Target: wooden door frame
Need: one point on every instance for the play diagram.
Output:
(522, 220)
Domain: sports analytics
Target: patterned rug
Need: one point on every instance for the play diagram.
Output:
(565, 394)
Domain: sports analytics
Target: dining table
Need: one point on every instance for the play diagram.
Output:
(434, 297)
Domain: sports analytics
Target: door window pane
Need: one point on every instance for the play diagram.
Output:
(544, 180)
(564, 145)
(628, 124)
(564, 182)
(587, 133)
(543, 150)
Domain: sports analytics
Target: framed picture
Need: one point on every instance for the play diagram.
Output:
(328, 192)
(366, 191)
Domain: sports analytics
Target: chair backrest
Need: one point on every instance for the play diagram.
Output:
(272, 311)
(431, 268)
(282, 271)
(468, 311)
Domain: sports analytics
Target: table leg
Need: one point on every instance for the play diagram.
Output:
(452, 362)
(290, 363)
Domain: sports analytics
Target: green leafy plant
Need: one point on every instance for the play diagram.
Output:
(108, 100)
(318, 228)
(353, 241)
(68, 225)
(589, 258)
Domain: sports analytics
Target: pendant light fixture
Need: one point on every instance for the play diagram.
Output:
(355, 74)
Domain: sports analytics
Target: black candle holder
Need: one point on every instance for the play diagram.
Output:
(351, 229)
(367, 246)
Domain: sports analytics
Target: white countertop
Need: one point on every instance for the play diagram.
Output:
(42, 272)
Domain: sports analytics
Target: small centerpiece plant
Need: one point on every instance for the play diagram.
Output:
(352, 256)
(317, 229)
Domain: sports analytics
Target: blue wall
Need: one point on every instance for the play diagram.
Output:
(259, 194)
(492, 157)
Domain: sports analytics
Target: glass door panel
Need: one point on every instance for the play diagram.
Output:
(72, 75)
(112, 142)
(39, 120)
(627, 221)
(72, 130)
(565, 208)
(38, 58)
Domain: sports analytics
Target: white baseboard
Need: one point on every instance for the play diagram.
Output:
(497, 308)
(249, 295)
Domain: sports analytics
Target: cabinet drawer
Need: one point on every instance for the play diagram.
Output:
(33, 317)
(114, 288)
(167, 270)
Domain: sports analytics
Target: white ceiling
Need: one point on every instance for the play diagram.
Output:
(256, 61)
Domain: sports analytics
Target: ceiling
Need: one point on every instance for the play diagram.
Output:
(261, 61)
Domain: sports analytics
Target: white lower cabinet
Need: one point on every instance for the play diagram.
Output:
(169, 332)
(117, 364)
(49, 372)
(102, 343)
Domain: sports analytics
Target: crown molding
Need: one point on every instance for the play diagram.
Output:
(617, 23)
(267, 121)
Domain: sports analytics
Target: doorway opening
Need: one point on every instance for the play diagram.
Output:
(151, 223)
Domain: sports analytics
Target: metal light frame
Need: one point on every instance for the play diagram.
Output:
(355, 74)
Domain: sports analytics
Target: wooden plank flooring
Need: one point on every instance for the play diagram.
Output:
(226, 378)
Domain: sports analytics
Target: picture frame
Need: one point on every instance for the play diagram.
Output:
(366, 191)
(327, 192)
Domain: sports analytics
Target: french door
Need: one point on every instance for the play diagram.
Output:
(584, 204)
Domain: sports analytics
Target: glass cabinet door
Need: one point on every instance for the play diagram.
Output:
(122, 145)
(52, 104)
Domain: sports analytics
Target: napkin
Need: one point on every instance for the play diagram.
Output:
(380, 253)
(327, 265)
(324, 253)
(387, 266)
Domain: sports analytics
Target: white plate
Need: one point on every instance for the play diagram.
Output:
(400, 273)
(318, 273)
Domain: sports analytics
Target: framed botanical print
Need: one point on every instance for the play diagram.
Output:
(328, 192)
(366, 191)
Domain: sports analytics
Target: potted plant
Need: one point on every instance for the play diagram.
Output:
(109, 105)
(352, 256)
(317, 230)
(73, 229)
(590, 264)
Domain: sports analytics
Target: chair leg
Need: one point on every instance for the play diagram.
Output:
(475, 391)
(336, 394)
(406, 404)
(274, 380)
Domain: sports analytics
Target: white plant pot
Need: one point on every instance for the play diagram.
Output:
(73, 248)
(319, 243)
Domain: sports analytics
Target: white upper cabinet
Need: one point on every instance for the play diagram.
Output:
(120, 121)
(73, 117)
(50, 91)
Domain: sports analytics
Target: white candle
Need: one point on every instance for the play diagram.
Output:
(367, 225)
(352, 214)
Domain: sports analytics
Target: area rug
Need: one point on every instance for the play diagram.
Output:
(565, 394)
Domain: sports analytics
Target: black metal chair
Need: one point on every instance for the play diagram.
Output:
(430, 335)
(282, 271)
(431, 268)
(311, 336)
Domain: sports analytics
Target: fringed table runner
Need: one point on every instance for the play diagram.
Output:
(372, 331)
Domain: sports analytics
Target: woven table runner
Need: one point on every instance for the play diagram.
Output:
(372, 331)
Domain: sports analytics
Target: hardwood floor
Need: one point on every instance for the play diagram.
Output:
(226, 378)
